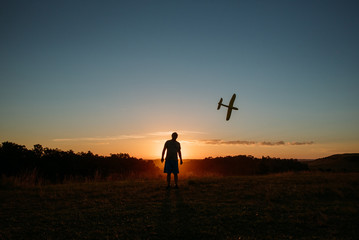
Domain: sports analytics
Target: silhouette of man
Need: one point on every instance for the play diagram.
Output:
(171, 164)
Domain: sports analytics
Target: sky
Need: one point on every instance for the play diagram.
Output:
(121, 76)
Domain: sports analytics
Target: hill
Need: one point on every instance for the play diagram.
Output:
(348, 162)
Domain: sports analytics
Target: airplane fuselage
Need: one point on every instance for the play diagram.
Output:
(229, 106)
(233, 108)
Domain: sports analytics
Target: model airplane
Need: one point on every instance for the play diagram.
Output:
(229, 106)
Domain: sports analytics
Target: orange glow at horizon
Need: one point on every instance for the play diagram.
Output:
(200, 151)
(151, 148)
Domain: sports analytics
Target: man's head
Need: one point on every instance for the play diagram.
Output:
(174, 136)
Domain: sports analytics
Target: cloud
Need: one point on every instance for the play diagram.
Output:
(124, 137)
(109, 138)
(221, 142)
(302, 143)
(272, 143)
(168, 133)
(160, 133)
(263, 143)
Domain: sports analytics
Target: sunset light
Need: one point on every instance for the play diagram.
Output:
(123, 81)
(179, 119)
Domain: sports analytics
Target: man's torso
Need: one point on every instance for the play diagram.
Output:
(173, 147)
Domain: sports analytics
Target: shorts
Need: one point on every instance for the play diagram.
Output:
(171, 166)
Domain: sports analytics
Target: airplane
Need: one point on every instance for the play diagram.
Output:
(229, 106)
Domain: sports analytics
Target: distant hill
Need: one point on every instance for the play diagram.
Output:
(348, 162)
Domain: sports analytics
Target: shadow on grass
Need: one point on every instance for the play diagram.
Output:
(176, 217)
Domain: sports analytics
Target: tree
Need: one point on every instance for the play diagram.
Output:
(38, 150)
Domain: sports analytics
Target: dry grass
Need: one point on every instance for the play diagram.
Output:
(282, 206)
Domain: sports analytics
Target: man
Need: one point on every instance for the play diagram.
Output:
(171, 165)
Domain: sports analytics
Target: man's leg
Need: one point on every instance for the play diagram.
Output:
(168, 179)
(176, 178)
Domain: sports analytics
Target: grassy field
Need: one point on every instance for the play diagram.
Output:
(285, 206)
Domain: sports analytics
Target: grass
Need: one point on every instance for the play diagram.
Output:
(283, 206)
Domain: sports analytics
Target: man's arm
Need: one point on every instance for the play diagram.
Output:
(163, 153)
(180, 156)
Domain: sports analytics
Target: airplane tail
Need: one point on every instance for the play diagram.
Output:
(220, 104)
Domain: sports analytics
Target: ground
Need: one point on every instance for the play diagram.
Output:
(284, 206)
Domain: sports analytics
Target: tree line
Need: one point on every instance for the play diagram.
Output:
(54, 165)
(244, 165)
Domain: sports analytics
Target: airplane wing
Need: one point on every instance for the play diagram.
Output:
(229, 112)
(232, 101)
(220, 103)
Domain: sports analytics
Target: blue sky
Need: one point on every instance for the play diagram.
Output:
(110, 76)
